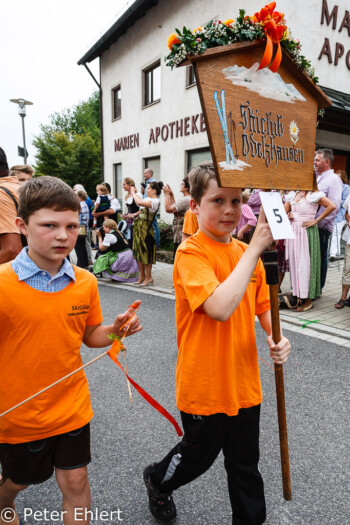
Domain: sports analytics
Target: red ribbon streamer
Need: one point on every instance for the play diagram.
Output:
(266, 59)
(277, 60)
(149, 398)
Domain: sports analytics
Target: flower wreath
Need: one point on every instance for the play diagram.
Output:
(266, 24)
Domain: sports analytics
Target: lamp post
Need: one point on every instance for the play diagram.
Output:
(22, 112)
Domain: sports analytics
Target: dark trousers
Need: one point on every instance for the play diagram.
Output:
(80, 250)
(324, 237)
(204, 438)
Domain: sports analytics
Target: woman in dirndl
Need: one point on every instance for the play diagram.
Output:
(144, 246)
(115, 259)
(303, 252)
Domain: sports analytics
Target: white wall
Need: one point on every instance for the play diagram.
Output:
(146, 41)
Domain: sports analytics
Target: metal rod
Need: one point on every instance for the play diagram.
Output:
(24, 141)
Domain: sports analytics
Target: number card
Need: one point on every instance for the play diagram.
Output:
(276, 215)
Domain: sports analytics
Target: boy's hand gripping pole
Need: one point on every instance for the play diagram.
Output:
(271, 268)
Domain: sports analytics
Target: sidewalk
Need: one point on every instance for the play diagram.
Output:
(323, 321)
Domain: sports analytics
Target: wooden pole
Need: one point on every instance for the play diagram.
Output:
(271, 267)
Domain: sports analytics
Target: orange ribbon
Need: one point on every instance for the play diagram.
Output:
(116, 347)
(274, 27)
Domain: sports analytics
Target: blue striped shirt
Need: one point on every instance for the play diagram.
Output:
(27, 271)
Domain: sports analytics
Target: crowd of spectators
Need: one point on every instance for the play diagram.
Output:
(320, 220)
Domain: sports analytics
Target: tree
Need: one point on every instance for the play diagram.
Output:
(70, 146)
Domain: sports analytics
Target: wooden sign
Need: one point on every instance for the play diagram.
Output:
(261, 125)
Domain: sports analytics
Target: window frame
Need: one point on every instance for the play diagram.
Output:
(147, 70)
(190, 75)
(114, 91)
(190, 152)
(115, 182)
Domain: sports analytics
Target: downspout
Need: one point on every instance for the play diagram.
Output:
(101, 118)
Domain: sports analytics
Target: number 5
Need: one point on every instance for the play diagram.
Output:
(278, 216)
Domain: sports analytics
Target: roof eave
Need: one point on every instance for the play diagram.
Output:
(135, 11)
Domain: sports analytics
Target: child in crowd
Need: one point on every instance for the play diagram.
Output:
(217, 378)
(48, 308)
(247, 222)
(102, 202)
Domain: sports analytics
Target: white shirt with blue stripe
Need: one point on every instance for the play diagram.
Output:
(27, 271)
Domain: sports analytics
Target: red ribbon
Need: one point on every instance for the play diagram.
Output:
(274, 27)
(149, 398)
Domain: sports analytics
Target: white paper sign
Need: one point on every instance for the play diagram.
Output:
(276, 215)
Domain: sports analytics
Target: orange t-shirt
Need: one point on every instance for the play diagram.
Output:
(217, 367)
(8, 212)
(190, 225)
(40, 342)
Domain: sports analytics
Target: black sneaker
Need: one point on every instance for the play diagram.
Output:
(161, 504)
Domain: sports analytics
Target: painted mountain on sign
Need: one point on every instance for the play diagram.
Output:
(263, 82)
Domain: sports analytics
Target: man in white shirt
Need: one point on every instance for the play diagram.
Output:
(331, 185)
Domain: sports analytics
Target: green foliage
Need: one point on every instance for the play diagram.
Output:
(166, 236)
(70, 146)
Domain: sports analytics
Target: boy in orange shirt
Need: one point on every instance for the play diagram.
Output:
(48, 308)
(217, 377)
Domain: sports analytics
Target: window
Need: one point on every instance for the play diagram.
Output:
(118, 183)
(196, 156)
(190, 76)
(116, 102)
(151, 84)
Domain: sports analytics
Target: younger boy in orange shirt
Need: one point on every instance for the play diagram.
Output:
(219, 288)
(48, 308)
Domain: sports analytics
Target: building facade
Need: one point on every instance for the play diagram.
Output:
(151, 115)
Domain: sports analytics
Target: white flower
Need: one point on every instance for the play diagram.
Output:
(294, 131)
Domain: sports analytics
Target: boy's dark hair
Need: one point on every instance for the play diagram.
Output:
(4, 167)
(199, 180)
(46, 192)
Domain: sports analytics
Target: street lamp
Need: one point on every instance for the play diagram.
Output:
(22, 112)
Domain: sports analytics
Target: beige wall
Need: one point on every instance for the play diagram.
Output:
(146, 42)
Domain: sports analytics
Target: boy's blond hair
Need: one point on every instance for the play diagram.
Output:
(22, 168)
(103, 188)
(110, 223)
(45, 192)
(199, 180)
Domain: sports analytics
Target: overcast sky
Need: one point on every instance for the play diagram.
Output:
(41, 42)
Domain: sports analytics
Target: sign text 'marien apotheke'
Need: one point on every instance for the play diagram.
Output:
(335, 17)
(173, 130)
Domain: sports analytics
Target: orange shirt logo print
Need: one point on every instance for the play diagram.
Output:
(253, 278)
(79, 309)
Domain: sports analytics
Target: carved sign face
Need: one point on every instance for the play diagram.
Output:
(261, 125)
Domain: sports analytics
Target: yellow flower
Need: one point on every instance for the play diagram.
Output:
(197, 29)
(229, 22)
(172, 40)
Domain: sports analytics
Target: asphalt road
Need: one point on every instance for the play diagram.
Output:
(126, 437)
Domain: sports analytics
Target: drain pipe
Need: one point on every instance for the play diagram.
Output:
(101, 118)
